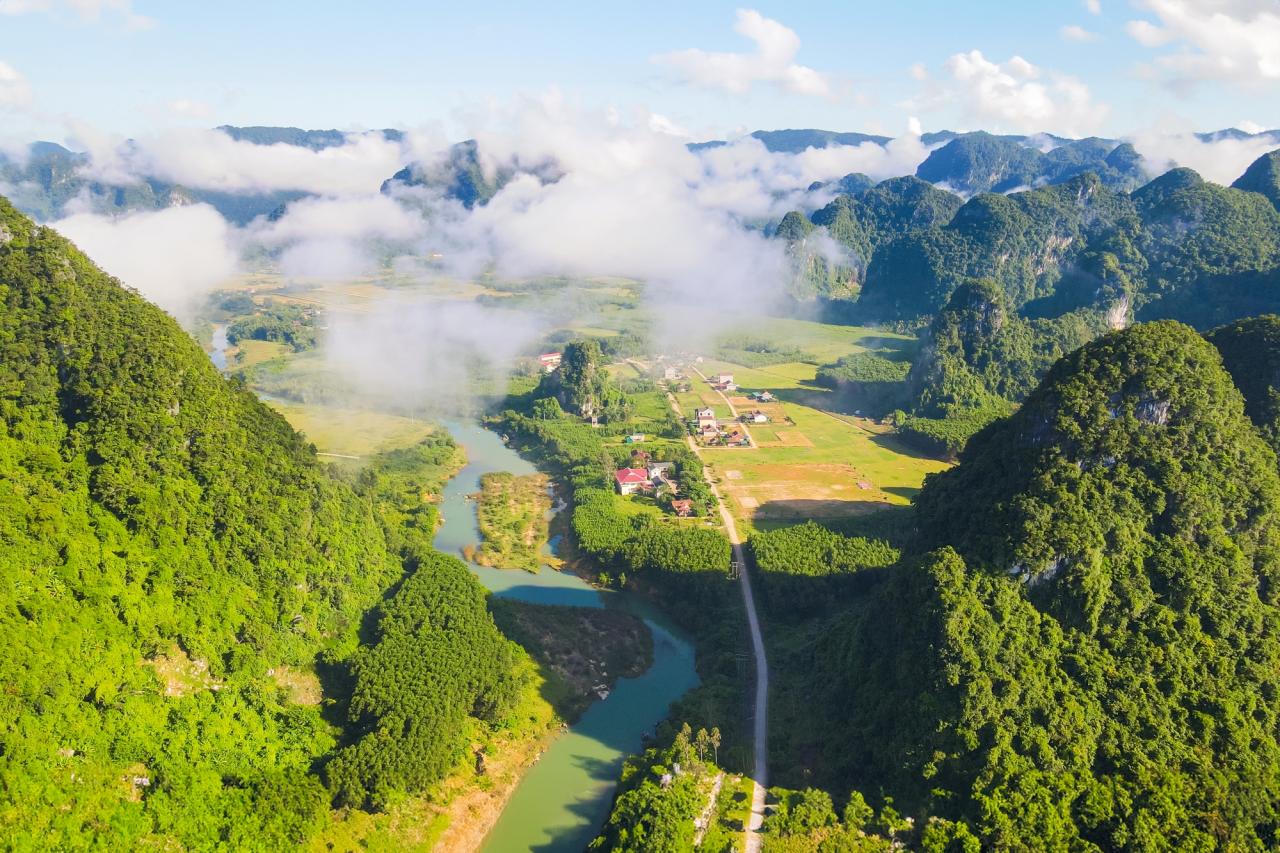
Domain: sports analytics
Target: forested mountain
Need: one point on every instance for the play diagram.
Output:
(1025, 241)
(1085, 648)
(860, 222)
(980, 162)
(1250, 352)
(1263, 177)
(1067, 261)
(171, 550)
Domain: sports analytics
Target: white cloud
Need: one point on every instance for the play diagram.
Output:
(339, 238)
(1094, 6)
(1072, 32)
(1233, 40)
(1221, 160)
(1148, 34)
(15, 91)
(212, 160)
(84, 11)
(662, 124)
(746, 179)
(772, 62)
(170, 256)
(1017, 95)
(188, 108)
(425, 354)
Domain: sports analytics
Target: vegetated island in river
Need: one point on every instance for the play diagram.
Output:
(512, 512)
(581, 651)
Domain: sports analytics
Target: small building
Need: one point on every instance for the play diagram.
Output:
(549, 361)
(682, 508)
(724, 378)
(634, 438)
(660, 471)
(758, 417)
(631, 480)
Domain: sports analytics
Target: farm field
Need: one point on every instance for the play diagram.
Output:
(806, 462)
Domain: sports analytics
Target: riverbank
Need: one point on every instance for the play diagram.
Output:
(512, 511)
(458, 812)
(565, 796)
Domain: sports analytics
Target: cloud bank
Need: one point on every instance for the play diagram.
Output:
(1232, 40)
(212, 160)
(1220, 160)
(170, 256)
(1017, 95)
(772, 62)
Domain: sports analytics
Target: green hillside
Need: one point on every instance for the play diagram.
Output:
(1088, 655)
(174, 560)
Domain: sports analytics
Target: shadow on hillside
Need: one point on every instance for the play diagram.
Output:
(804, 509)
(889, 441)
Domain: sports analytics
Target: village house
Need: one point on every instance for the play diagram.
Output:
(706, 418)
(631, 480)
(763, 397)
(671, 373)
(549, 361)
(737, 438)
(659, 472)
(710, 433)
(682, 508)
(724, 379)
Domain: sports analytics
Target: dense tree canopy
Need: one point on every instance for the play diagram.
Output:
(170, 550)
(1090, 656)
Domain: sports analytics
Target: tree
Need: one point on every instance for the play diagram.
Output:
(547, 409)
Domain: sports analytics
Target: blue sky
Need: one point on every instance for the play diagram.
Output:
(128, 67)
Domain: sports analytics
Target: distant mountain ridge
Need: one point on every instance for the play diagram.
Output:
(50, 176)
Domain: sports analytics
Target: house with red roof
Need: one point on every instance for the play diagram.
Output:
(631, 480)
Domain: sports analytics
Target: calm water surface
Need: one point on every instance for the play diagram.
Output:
(565, 797)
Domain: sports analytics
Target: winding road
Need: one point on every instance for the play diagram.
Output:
(760, 777)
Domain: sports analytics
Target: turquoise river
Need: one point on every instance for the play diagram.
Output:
(564, 798)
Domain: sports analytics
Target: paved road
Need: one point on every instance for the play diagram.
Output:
(760, 735)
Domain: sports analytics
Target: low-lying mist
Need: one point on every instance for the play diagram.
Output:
(626, 198)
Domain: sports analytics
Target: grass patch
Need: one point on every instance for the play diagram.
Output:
(250, 352)
(352, 432)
